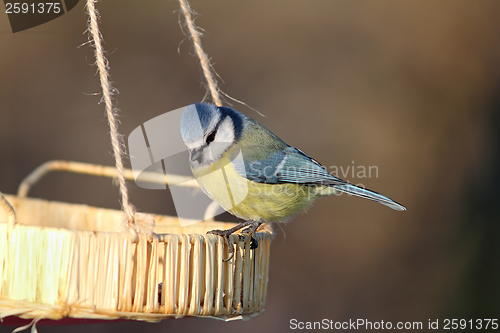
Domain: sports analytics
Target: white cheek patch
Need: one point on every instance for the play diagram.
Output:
(225, 133)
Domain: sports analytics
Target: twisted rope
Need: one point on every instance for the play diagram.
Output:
(107, 89)
(202, 56)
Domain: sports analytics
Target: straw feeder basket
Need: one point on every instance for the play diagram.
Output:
(68, 260)
(62, 260)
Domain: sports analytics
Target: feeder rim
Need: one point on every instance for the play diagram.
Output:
(102, 171)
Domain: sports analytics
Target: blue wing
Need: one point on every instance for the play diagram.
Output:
(288, 166)
(291, 165)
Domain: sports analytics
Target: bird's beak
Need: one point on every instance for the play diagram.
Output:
(196, 154)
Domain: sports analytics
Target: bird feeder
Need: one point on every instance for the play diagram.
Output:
(72, 260)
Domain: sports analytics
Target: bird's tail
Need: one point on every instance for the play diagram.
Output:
(368, 194)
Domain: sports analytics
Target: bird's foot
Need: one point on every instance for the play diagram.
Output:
(251, 227)
(250, 230)
(225, 235)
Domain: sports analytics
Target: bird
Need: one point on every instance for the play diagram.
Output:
(252, 173)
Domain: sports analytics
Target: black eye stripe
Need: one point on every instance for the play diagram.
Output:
(211, 137)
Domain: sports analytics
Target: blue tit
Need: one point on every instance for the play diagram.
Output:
(252, 173)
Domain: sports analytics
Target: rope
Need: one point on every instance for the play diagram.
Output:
(103, 66)
(204, 61)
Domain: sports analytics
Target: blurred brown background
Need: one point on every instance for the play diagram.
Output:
(410, 87)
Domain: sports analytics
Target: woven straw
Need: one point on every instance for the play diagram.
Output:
(69, 260)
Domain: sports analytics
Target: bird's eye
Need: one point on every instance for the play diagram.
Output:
(211, 137)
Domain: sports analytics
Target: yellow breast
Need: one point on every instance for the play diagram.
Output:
(249, 200)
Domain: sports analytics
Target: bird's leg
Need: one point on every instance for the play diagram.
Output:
(226, 233)
(250, 230)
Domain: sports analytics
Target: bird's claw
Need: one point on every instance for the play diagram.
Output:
(250, 231)
(225, 235)
(251, 228)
